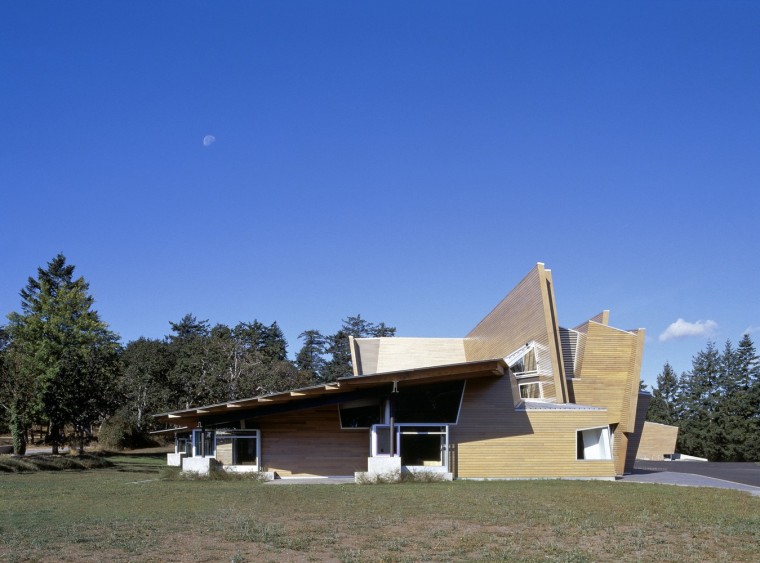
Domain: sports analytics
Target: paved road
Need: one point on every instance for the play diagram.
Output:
(746, 473)
(739, 476)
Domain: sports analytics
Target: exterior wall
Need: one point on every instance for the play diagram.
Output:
(634, 439)
(619, 450)
(311, 442)
(378, 355)
(657, 440)
(607, 374)
(493, 440)
(526, 314)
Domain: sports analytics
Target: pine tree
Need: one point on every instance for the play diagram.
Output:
(190, 379)
(310, 360)
(748, 408)
(338, 348)
(66, 357)
(699, 433)
(664, 405)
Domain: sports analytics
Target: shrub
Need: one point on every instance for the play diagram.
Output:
(120, 432)
(399, 477)
(176, 474)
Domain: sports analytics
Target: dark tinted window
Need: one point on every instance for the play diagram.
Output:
(429, 403)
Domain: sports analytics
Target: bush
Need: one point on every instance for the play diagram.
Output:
(176, 474)
(400, 477)
(120, 432)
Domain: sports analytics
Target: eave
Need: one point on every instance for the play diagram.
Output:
(333, 392)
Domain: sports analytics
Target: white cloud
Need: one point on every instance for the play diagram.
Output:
(208, 140)
(682, 329)
(750, 329)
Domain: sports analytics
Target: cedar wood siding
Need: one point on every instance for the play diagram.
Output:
(657, 440)
(634, 439)
(311, 442)
(493, 440)
(608, 375)
(608, 372)
(379, 355)
(525, 314)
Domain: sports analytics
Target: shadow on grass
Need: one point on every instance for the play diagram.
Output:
(49, 462)
(136, 462)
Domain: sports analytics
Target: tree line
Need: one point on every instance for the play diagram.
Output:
(716, 405)
(61, 366)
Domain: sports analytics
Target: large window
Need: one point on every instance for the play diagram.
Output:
(203, 443)
(237, 447)
(429, 403)
(593, 443)
(419, 445)
(361, 414)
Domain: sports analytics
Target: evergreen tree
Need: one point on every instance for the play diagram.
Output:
(664, 405)
(700, 434)
(65, 355)
(187, 328)
(190, 379)
(748, 407)
(310, 360)
(338, 347)
(731, 425)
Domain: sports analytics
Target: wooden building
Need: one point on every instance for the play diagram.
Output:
(658, 442)
(518, 397)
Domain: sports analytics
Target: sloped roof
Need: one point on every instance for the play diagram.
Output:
(341, 387)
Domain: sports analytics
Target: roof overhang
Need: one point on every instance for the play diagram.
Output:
(345, 388)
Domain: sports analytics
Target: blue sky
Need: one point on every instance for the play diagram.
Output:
(409, 161)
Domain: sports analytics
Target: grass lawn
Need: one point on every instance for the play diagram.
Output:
(128, 513)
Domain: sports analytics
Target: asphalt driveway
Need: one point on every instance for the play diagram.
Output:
(725, 475)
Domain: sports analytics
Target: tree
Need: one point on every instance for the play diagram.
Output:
(310, 360)
(664, 405)
(143, 384)
(700, 433)
(748, 385)
(224, 364)
(190, 379)
(338, 348)
(65, 355)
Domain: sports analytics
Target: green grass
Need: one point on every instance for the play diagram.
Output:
(130, 513)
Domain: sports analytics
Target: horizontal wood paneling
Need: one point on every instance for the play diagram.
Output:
(657, 440)
(606, 373)
(493, 440)
(619, 450)
(522, 316)
(398, 353)
(634, 438)
(311, 442)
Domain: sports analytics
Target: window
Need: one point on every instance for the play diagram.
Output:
(183, 444)
(360, 414)
(237, 447)
(532, 390)
(203, 443)
(418, 445)
(429, 403)
(593, 443)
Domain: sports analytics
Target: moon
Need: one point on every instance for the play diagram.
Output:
(208, 140)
